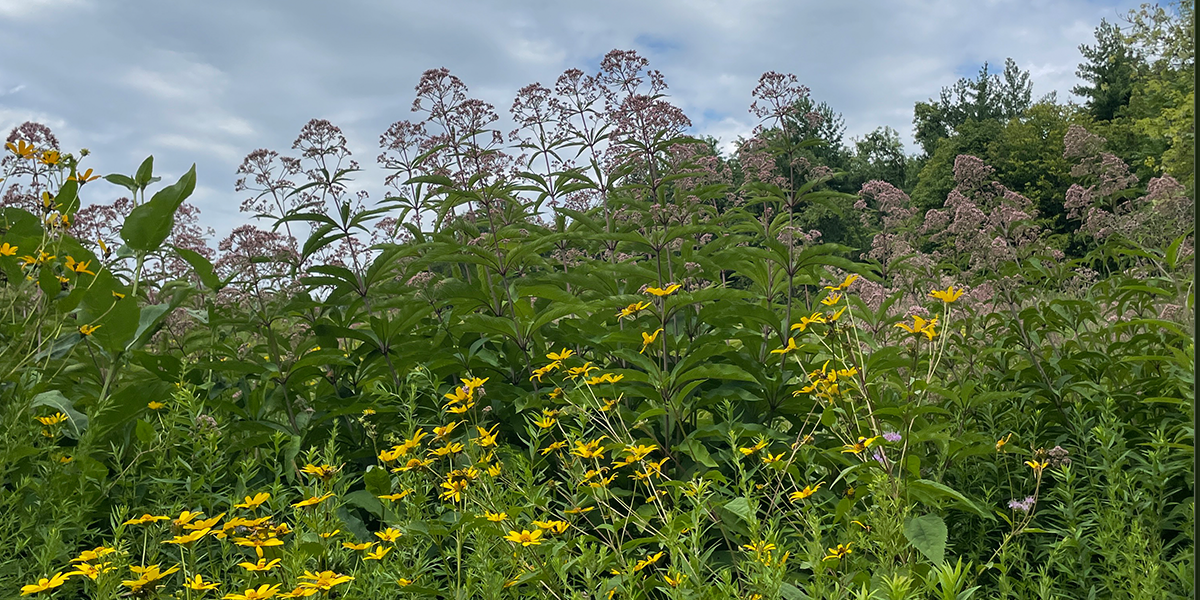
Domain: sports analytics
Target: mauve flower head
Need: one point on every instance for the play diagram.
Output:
(1024, 506)
(893, 436)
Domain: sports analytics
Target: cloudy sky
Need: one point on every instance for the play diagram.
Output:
(208, 82)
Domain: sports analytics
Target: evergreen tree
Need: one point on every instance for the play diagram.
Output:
(1109, 72)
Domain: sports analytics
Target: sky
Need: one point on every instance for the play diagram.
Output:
(209, 82)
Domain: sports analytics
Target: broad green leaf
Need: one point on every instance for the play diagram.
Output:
(77, 422)
(927, 534)
(148, 225)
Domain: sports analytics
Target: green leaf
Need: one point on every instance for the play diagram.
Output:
(144, 432)
(927, 534)
(928, 491)
(124, 181)
(56, 400)
(202, 266)
(741, 508)
(148, 225)
(144, 172)
(790, 592)
(377, 480)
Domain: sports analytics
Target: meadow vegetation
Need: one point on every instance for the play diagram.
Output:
(597, 358)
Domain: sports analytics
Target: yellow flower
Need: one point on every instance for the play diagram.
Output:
(22, 150)
(263, 592)
(362, 546)
(254, 502)
(397, 496)
(632, 310)
(762, 443)
(845, 284)
(947, 295)
(553, 447)
(90, 555)
(561, 356)
(53, 419)
(525, 537)
(553, 526)
(649, 338)
(79, 267)
(88, 329)
(920, 326)
(674, 579)
(578, 510)
(791, 345)
(188, 538)
(89, 570)
(390, 535)
(261, 565)
(591, 449)
(460, 394)
(545, 422)
(414, 463)
(663, 292)
(377, 553)
(1037, 466)
(831, 299)
(324, 580)
(646, 562)
(448, 449)
(323, 472)
(402, 582)
(769, 458)
(837, 315)
(487, 437)
(49, 157)
(146, 518)
(494, 517)
(860, 446)
(155, 405)
(301, 592)
(44, 584)
(258, 543)
(758, 547)
(494, 470)
(329, 534)
(199, 584)
(148, 576)
(454, 489)
(841, 551)
(7, 250)
(806, 492)
(1000, 443)
(315, 500)
(83, 178)
(444, 430)
(809, 320)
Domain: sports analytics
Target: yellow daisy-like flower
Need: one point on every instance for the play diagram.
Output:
(188, 538)
(808, 490)
(146, 518)
(390, 535)
(397, 496)
(839, 552)
(920, 326)
(661, 292)
(487, 437)
(53, 419)
(254, 502)
(263, 592)
(90, 571)
(1002, 442)
(1037, 466)
(860, 446)
(947, 295)
(87, 330)
(155, 405)
(553, 526)
(315, 500)
(561, 356)
(7, 250)
(44, 583)
(494, 517)
(324, 580)
(378, 553)
(632, 310)
(591, 449)
(525, 537)
(844, 285)
(323, 472)
(649, 338)
(24, 150)
(646, 562)
(362, 546)
(791, 345)
(261, 565)
(198, 584)
(831, 299)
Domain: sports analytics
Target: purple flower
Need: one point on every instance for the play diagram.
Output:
(893, 436)
(1024, 506)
